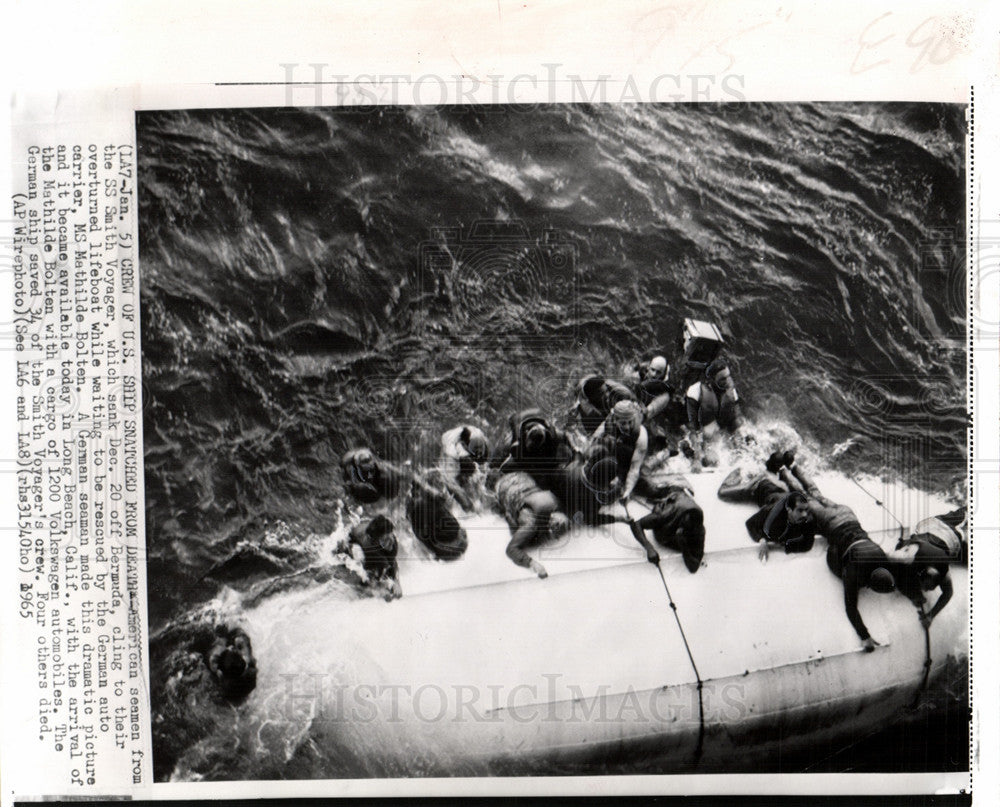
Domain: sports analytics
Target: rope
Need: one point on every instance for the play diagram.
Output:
(927, 662)
(880, 503)
(687, 647)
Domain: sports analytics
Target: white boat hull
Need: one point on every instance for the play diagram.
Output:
(482, 667)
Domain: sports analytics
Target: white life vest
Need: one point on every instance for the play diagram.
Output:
(942, 532)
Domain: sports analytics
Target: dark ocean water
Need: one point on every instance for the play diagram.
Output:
(315, 279)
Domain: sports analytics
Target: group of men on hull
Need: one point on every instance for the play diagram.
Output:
(544, 485)
(793, 512)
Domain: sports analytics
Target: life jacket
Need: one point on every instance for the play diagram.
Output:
(434, 525)
(935, 531)
(596, 397)
(652, 389)
(547, 448)
(591, 417)
(770, 522)
(612, 392)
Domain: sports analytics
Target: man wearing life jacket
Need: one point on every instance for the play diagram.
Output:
(712, 404)
(665, 411)
(653, 382)
(533, 515)
(784, 518)
(464, 450)
(677, 523)
(536, 447)
(433, 523)
(369, 479)
(851, 555)
(928, 553)
(595, 397)
(589, 484)
(627, 441)
(373, 544)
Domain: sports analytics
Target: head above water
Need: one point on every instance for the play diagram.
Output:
(479, 450)
(718, 375)
(930, 578)
(380, 528)
(364, 460)
(627, 416)
(558, 524)
(534, 437)
(231, 664)
(881, 580)
(657, 367)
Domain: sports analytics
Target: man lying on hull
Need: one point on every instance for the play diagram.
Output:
(676, 520)
(938, 543)
(369, 479)
(851, 555)
(533, 515)
(784, 518)
(678, 523)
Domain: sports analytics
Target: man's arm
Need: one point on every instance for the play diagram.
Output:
(524, 534)
(502, 452)
(565, 449)
(510, 462)
(736, 410)
(755, 525)
(802, 542)
(947, 590)
(597, 435)
(657, 405)
(852, 583)
(456, 490)
(394, 477)
(692, 406)
(638, 456)
(639, 533)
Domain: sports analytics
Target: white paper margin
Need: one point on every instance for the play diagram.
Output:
(168, 55)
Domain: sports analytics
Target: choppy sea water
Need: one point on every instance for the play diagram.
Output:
(314, 279)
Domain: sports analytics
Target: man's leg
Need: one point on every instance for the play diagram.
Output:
(734, 489)
(758, 490)
(797, 479)
(834, 561)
